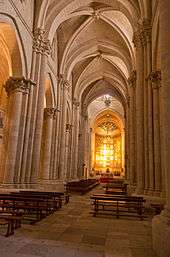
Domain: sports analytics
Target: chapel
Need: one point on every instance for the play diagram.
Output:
(85, 97)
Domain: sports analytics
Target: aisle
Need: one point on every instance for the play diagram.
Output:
(73, 232)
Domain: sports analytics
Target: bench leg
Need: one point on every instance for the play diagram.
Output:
(10, 229)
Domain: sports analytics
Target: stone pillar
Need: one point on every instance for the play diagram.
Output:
(161, 223)
(48, 125)
(149, 151)
(64, 86)
(75, 134)
(67, 151)
(127, 142)
(139, 112)
(22, 130)
(35, 165)
(54, 166)
(15, 88)
(155, 78)
(82, 144)
(31, 153)
(132, 84)
(90, 149)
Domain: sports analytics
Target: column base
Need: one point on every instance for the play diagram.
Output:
(146, 191)
(139, 191)
(51, 185)
(150, 192)
(157, 193)
(161, 235)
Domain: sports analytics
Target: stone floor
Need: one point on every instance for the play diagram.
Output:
(73, 232)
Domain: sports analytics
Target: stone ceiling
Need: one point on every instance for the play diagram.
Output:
(95, 46)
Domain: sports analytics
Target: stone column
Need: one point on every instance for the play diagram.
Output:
(22, 130)
(155, 78)
(54, 167)
(132, 84)
(127, 142)
(75, 134)
(90, 149)
(149, 151)
(15, 88)
(31, 155)
(65, 85)
(161, 223)
(35, 165)
(48, 125)
(139, 112)
(67, 150)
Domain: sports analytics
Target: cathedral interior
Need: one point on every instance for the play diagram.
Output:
(85, 99)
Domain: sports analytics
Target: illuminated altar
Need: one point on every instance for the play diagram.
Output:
(108, 154)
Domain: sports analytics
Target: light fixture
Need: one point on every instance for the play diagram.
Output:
(107, 100)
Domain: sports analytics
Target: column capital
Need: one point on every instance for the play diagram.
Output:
(155, 78)
(143, 35)
(63, 81)
(76, 103)
(68, 127)
(18, 84)
(132, 79)
(49, 112)
(40, 43)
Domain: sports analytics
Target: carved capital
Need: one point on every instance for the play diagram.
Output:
(49, 112)
(143, 35)
(63, 81)
(68, 127)
(155, 78)
(137, 39)
(16, 84)
(40, 43)
(132, 79)
(47, 48)
(76, 103)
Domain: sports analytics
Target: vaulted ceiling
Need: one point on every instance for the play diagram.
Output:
(95, 43)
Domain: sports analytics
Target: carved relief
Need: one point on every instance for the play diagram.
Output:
(40, 43)
(143, 35)
(63, 81)
(15, 84)
(68, 127)
(49, 112)
(132, 79)
(155, 78)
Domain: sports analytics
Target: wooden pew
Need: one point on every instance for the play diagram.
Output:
(39, 206)
(82, 186)
(55, 195)
(12, 220)
(118, 205)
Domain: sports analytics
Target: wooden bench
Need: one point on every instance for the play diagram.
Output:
(38, 206)
(82, 186)
(55, 195)
(118, 205)
(12, 220)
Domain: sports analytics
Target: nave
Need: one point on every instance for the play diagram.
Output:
(73, 232)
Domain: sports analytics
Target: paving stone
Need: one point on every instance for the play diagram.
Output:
(89, 239)
(73, 232)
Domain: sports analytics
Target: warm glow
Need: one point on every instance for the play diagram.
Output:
(108, 153)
